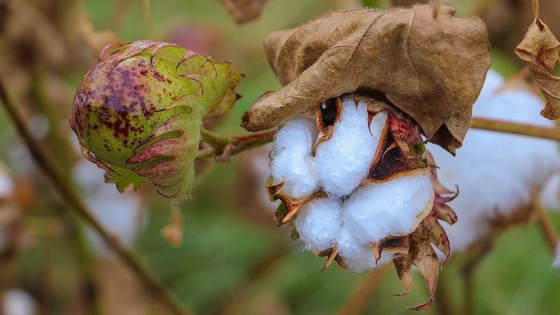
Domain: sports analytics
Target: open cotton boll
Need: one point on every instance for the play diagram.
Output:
(319, 222)
(344, 159)
(297, 136)
(378, 210)
(356, 254)
(496, 172)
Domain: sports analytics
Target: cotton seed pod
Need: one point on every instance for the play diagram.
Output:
(358, 187)
(138, 113)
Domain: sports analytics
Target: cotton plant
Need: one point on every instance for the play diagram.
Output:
(501, 186)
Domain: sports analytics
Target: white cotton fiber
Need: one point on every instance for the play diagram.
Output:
(550, 193)
(344, 159)
(118, 212)
(292, 161)
(378, 210)
(319, 222)
(297, 136)
(17, 302)
(298, 172)
(356, 254)
(496, 172)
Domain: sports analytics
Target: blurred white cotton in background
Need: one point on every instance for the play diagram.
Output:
(17, 302)
(496, 172)
(118, 212)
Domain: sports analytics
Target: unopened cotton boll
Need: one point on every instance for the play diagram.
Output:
(344, 159)
(378, 210)
(319, 222)
(496, 172)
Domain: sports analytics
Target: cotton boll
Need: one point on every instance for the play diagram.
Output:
(356, 254)
(297, 136)
(550, 193)
(496, 172)
(319, 222)
(344, 159)
(492, 84)
(378, 210)
(17, 302)
(298, 173)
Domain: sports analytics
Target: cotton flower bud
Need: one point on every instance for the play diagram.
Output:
(358, 186)
(138, 113)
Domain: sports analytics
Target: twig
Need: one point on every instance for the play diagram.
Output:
(552, 133)
(358, 300)
(546, 226)
(230, 146)
(67, 191)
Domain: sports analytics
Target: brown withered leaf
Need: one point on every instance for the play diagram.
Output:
(431, 66)
(244, 11)
(540, 49)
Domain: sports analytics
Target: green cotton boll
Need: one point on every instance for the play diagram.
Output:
(138, 113)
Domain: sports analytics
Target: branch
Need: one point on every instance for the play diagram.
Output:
(67, 191)
(552, 133)
(225, 147)
(358, 300)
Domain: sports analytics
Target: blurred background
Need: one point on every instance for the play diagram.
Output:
(232, 258)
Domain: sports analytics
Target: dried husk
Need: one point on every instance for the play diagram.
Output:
(540, 49)
(430, 66)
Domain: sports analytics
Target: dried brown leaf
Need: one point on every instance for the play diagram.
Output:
(430, 66)
(540, 49)
(244, 11)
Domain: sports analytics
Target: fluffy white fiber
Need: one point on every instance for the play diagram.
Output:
(17, 302)
(352, 216)
(377, 210)
(319, 222)
(292, 161)
(496, 172)
(344, 159)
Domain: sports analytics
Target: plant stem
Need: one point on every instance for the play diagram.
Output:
(67, 191)
(232, 145)
(552, 133)
(546, 226)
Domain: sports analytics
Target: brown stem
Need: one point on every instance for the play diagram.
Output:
(552, 133)
(358, 300)
(231, 145)
(546, 226)
(67, 191)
